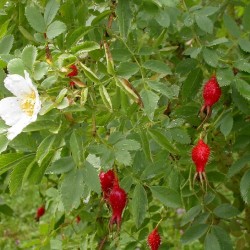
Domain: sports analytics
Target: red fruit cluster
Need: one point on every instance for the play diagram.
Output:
(73, 72)
(200, 155)
(40, 212)
(115, 196)
(154, 240)
(211, 95)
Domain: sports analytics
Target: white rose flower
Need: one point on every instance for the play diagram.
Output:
(21, 110)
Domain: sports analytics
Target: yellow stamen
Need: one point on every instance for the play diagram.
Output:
(28, 103)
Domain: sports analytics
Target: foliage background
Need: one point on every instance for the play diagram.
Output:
(134, 108)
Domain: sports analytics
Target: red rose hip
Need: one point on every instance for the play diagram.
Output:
(211, 95)
(107, 182)
(117, 201)
(40, 212)
(154, 240)
(200, 156)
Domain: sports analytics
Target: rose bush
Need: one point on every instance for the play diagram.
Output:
(120, 84)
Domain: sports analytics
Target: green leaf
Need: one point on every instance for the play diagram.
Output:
(26, 34)
(185, 66)
(84, 47)
(34, 173)
(212, 243)
(127, 69)
(180, 135)
(169, 3)
(204, 23)
(128, 89)
(8, 161)
(45, 147)
(192, 52)
(76, 147)
(222, 237)
(227, 124)
(145, 145)
(245, 187)
(4, 142)
(192, 84)
(61, 166)
(162, 140)
(224, 76)
(193, 233)
(167, 196)
(231, 26)
(158, 67)
(226, 211)
(105, 97)
(126, 183)
(16, 66)
(240, 102)
(163, 18)
(72, 189)
(6, 210)
(139, 204)
(29, 55)
(238, 165)
(217, 41)
(123, 156)
(16, 177)
(243, 87)
(40, 69)
(162, 88)
(35, 19)
(246, 18)
(207, 11)
(242, 65)
(50, 11)
(191, 214)
(49, 82)
(91, 178)
(100, 17)
(6, 44)
(127, 144)
(244, 44)
(124, 15)
(210, 57)
(61, 95)
(90, 74)
(150, 101)
(55, 29)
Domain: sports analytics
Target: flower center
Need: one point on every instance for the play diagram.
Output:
(28, 103)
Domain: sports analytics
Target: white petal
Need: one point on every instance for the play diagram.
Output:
(28, 80)
(18, 128)
(17, 85)
(10, 110)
